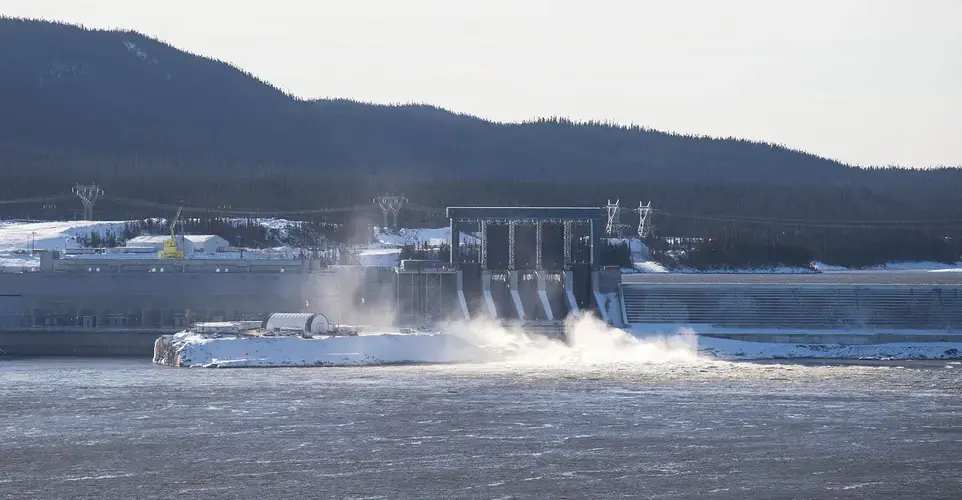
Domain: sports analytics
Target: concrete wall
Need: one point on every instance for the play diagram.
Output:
(62, 312)
(821, 307)
(155, 299)
(79, 342)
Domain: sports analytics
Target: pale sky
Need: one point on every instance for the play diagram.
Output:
(868, 82)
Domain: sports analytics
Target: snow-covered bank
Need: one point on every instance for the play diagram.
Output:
(735, 349)
(721, 348)
(589, 343)
(645, 266)
(895, 266)
(188, 349)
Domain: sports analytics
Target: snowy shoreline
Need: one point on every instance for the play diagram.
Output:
(590, 345)
(734, 350)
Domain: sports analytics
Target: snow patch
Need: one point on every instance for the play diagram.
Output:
(650, 266)
(58, 235)
(895, 266)
(375, 255)
(421, 236)
(135, 50)
(638, 250)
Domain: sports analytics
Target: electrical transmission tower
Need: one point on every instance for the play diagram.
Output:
(390, 206)
(644, 219)
(88, 194)
(614, 227)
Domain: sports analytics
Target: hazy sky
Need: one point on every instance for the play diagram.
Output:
(868, 82)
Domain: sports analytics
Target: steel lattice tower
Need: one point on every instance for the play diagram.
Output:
(390, 206)
(88, 194)
(614, 228)
(644, 219)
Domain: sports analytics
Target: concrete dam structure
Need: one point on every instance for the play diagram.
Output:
(527, 270)
(533, 266)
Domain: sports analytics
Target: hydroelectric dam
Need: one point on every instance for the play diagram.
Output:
(530, 266)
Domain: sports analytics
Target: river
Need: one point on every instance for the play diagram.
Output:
(79, 428)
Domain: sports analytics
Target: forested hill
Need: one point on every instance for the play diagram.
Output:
(150, 122)
(74, 92)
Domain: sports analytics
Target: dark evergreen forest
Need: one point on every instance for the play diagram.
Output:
(149, 122)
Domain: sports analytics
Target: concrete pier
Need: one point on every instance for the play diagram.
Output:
(543, 295)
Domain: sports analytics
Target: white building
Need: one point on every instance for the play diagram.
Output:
(207, 243)
(149, 242)
(189, 243)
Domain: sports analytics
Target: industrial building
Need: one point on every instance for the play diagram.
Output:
(188, 243)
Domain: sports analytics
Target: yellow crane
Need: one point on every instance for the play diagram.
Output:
(170, 250)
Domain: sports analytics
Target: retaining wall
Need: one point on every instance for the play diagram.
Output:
(800, 313)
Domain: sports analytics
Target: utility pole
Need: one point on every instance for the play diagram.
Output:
(88, 194)
(644, 219)
(390, 206)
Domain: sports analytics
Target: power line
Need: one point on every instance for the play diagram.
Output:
(236, 211)
(35, 199)
(440, 212)
(840, 224)
(426, 209)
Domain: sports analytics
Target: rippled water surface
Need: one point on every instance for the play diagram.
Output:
(129, 429)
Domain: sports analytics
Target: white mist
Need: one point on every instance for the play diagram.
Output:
(589, 342)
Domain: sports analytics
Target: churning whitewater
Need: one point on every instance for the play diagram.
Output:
(589, 341)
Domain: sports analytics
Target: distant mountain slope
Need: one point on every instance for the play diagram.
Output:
(76, 92)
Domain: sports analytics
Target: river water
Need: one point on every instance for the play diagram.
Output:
(682, 429)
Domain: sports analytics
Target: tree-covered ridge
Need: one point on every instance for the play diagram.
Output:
(69, 88)
(151, 122)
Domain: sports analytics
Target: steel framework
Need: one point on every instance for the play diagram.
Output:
(390, 206)
(88, 194)
(534, 216)
(644, 219)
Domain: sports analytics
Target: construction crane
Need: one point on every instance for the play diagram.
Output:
(170, 250)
